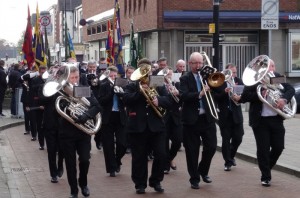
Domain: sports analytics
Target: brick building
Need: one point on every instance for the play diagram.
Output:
(175, 28)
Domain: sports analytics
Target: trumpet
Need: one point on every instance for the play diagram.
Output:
(230, 80)
(170, 87)
(105, 75)
(213, 79)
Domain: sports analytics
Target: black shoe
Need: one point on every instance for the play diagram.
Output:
(233, 162)
(140, 191)
(33, 139)
(227, 168)
(54, 180)
(60, 172)
(73, 196)
(266, 183)
(41, 148)
(195, 186)
(112, 174)
(157, 188)
(118, 168)
(85, 191)
(206, 178)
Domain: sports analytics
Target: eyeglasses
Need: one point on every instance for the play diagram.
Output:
(197, 63)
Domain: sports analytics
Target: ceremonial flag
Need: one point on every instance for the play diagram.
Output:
(140, 48)
(133, 51)
(38, 44)
(109, 45)
(118, 55)
(27, 44)
(70, 52)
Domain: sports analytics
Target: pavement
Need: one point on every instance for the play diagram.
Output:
(24, 170)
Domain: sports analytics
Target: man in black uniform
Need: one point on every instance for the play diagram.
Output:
(3, 85)
(146, 129)
(113, 122)
(267, 125)
(230, 118)
(73, 140)
(198, 123)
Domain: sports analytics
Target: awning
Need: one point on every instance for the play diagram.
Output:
(102, 16)
(226, 16)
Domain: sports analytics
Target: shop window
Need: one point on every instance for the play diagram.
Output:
(93, 30)
(294, 53)
(99, 28)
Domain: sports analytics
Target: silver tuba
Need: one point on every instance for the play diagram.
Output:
(258, 71)
(75, 106)
(171, 88)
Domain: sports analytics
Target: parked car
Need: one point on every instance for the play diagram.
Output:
(297, 95)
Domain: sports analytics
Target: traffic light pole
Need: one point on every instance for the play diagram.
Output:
(215, 53)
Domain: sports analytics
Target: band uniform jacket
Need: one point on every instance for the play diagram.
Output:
(140, 114)
(106, 95)
(189, 96)
(250, 95)
(225, 105)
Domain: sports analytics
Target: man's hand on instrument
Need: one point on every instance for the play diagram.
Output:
(82, 119)
(236, 97)
(281, 103)
(155, 101)
(228, 89)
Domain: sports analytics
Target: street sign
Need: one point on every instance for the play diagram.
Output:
(269, 14)
(45, 21)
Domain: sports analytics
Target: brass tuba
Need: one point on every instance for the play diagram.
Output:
(171, 87)
(75, 107)
(150, 93)
(213, 79)
(257, 71)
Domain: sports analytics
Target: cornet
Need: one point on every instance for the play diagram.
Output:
(230, 80)
(170, 87)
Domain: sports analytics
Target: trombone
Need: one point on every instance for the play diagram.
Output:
(214, 79)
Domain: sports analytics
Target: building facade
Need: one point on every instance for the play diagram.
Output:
(175, 28)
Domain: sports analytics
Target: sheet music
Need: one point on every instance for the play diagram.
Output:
(238, 89)
(176, 77)
(121, 82)
(156, 80)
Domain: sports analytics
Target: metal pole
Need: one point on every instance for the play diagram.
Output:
(65, 35)
(216, 35)
(270, 43)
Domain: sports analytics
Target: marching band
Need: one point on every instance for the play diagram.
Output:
(154, 111)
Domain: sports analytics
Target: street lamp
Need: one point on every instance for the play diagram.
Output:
(215, 52)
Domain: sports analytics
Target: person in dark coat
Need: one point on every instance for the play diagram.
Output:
(267, 124)
(198, 123)
(14, 84)
(3, 85)
(146, 129)
(230, 118)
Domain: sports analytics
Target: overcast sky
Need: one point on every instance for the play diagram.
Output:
(13, 16)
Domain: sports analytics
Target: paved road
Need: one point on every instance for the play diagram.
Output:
(25, 172)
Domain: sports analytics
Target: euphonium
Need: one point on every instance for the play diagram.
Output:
(68, 106)
(150, 93)
(170, 87)
(257, 71)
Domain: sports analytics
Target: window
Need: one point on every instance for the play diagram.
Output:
(104, 27)
(99, 28)
(93, 30)
(293, 68)
(89, 31)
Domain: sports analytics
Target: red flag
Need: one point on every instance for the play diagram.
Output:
(27, 44)
(109, 45)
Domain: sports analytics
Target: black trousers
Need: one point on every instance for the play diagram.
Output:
(140, 143)
(53, 148)
(269, 136)
(79, 143)
(36, 120)
(26, 117)
(193, 135)
(2, 94)
(173, 133)
(111, 131)
(232, 136)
